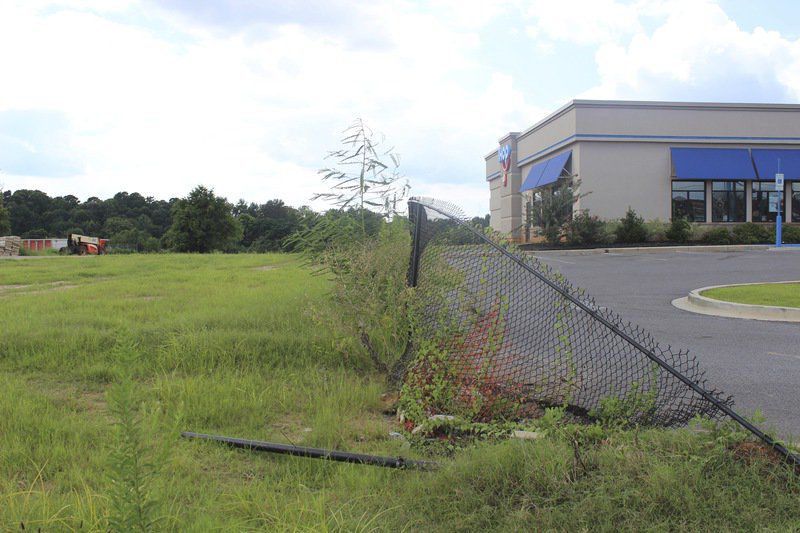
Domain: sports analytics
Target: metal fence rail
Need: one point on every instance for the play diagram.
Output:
(522, 332)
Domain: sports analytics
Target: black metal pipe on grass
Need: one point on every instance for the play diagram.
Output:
(315, 453)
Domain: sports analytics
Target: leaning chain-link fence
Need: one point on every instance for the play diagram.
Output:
(511, 337)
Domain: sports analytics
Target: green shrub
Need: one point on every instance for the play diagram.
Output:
(791, 234)
(585, 229)
(656, 230)
(750, 233)
(370, 292)
(679, 230)
(718, 236)
(631, 229)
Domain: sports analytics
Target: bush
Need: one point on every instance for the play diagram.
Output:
(369, 290)
(718, 236)
(791, 234)
(656, 230)
(631, 229)
(585, 229)
(679, 230)
(750, 233)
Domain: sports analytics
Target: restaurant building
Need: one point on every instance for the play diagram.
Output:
(712, 163)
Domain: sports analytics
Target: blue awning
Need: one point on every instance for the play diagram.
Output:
(533, 176)
(712, 164)
(546, 172)
(770, 162)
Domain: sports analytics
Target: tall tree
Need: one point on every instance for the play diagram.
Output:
(5, 218)
(203, 222)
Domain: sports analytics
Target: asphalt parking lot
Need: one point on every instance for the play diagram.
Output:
(756, 362)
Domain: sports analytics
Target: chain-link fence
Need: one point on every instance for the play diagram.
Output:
(518, 337)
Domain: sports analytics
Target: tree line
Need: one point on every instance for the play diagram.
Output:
(200, 222)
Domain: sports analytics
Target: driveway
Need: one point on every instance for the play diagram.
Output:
(757, 362)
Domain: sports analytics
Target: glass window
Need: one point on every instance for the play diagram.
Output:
(796, 201)
(727, 201)
(765, 201)
(689, 200)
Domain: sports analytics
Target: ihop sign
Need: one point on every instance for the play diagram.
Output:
(504, 157)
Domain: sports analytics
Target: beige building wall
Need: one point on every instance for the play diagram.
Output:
(547, 135)
(616, 175)
(689, 119)
(621, 150)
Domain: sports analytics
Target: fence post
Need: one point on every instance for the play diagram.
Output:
(416, 213)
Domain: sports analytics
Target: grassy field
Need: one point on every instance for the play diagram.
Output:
(777, 294)
(235, 345)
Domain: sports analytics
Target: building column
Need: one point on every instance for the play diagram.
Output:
(787, 201)
(748, 201)
(708, 201)
(511, 208)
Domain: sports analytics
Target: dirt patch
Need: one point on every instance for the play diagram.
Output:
(4, 288)
(265, 268)
(74, 396)
(53, 287)
(93, 402)
(749, 452)
(290, 428)
(37, 289)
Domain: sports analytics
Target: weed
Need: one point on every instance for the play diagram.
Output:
(131, 470)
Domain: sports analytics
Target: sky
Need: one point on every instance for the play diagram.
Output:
(248, 96)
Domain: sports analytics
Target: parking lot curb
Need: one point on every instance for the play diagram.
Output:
(695, 302)
(654, 249)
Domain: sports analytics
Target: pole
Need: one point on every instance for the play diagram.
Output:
(779, 224)
(779, 217)
(315, 453)
(418, 211)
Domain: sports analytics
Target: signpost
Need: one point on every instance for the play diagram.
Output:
(779, 218)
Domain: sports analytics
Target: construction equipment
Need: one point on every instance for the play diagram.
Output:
(83, 245)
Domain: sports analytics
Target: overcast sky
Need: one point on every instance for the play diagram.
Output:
(246, 96)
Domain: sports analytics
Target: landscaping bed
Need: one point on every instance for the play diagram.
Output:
(772, 294)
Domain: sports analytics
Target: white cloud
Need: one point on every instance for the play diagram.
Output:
(699, 53)
(584, 21)
(157, 99)
(158, 111)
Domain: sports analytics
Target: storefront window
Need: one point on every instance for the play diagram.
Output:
(689, 200)
(727, 201)
(796, 201)
(765, 201)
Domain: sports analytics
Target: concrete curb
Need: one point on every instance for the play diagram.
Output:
(655, 249)
(785, 248)
(697, 303)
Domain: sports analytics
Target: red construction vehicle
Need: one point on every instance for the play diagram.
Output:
(83, 245)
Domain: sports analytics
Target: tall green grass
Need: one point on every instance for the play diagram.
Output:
(104, 360)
